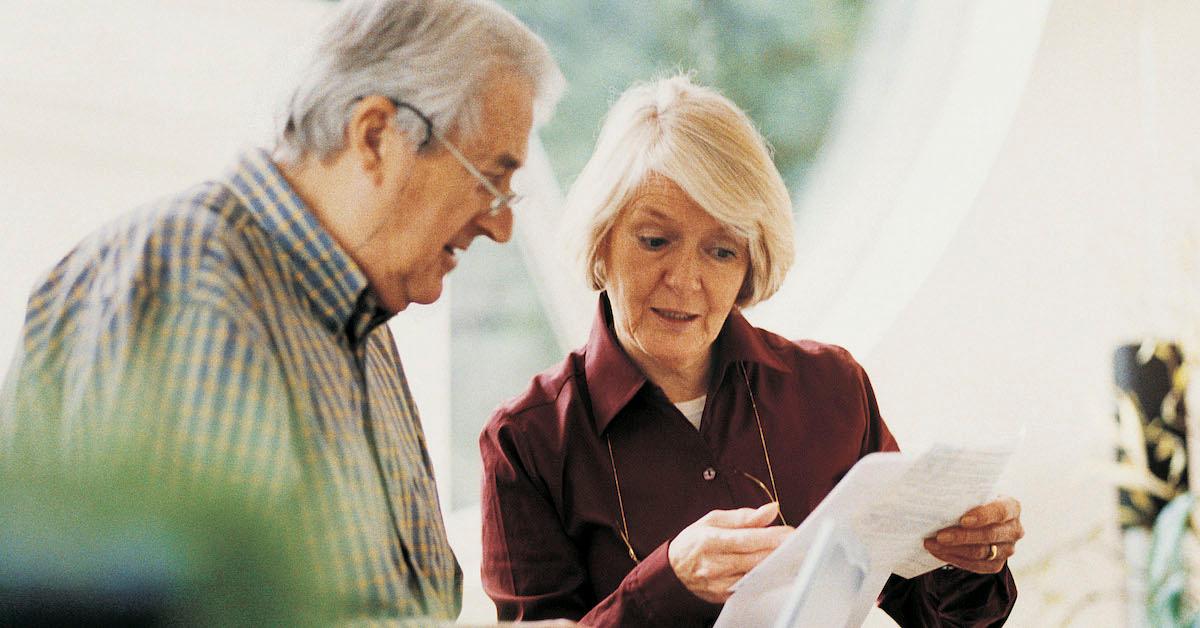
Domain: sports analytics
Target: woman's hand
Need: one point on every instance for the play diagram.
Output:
(720, 547)
(983, 539)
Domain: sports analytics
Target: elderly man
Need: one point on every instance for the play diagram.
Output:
(237, 328)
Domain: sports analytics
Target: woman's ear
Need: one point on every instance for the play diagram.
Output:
(600, 262)
(744, 295)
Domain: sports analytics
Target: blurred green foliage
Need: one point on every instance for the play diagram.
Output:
(783, 61)
(1169, 604)
(106, 540)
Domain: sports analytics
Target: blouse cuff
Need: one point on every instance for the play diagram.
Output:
(664, 598)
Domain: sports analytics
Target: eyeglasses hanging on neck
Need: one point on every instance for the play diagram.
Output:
(772, 493)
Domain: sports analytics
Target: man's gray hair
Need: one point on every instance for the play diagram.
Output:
(433, 54)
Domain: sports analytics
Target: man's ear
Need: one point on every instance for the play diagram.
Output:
(373, 139)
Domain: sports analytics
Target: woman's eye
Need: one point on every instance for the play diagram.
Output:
(652, 242)
(724, 253)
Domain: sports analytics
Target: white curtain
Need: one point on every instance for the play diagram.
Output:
(1009, 192)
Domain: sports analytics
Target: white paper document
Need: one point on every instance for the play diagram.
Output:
(886, 506)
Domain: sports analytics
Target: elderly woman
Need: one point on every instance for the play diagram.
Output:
(637, 481)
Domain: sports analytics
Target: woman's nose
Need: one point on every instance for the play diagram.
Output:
(684, 271)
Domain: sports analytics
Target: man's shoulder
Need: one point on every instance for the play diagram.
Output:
(191, 246)
(202, 243)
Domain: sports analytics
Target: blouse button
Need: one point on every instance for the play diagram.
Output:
(709, 473)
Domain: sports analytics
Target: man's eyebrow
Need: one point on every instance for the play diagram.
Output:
(508, 162)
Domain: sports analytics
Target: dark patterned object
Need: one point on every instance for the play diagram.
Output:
(1151, 380)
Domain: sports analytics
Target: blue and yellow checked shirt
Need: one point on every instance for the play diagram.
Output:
(224, 329)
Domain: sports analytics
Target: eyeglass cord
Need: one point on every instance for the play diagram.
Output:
(773, 493)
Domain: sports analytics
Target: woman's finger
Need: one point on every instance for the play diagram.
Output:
(737, 565)
(744, 541)
(743, 517)
(996, 511)
(980, 553)
(1007, 532)
(972, 557)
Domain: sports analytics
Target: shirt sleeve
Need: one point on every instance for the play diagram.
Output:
(213, 399)
(942, 597)
(187, 390)
(533, 570)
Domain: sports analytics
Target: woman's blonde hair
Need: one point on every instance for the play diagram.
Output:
(699, 139)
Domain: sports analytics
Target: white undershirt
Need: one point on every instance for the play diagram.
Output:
(692, 410)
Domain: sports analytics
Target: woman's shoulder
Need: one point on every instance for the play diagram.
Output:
(536, 425)
(543, 397)
(806, 355)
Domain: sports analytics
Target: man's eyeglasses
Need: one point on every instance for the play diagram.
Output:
(500, 200)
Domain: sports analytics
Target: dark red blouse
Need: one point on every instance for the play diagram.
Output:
(551, 543)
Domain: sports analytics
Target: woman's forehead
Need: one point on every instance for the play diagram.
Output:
(663, 201)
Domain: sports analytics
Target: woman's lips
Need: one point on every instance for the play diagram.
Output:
(674, 316)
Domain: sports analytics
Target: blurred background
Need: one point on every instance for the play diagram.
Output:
(991, 198)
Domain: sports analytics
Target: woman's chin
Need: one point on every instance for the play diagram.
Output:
(675, 354)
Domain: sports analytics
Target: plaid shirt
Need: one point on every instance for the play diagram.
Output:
(224, 329)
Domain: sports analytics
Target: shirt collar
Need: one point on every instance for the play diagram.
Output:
(614, 378)
(739, 341)
(335, 286)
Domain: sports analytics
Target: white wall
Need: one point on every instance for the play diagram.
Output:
(107, 105)
(1027, 211)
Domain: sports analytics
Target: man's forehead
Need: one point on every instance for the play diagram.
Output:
(507, 119)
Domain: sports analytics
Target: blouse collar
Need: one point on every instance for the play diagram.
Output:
(613, 378)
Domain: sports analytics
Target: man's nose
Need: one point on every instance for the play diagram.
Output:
(497, 226)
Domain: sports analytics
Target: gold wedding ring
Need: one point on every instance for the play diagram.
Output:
(992, 555)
